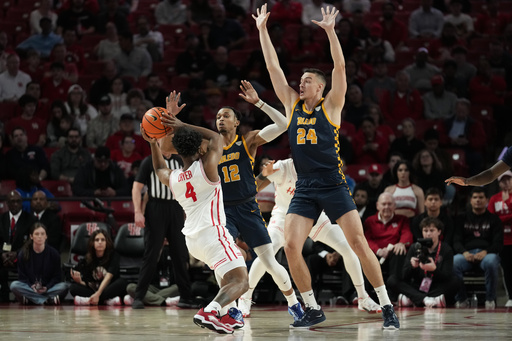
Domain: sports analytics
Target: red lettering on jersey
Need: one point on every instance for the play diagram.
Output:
(186, 175)
(290, 190)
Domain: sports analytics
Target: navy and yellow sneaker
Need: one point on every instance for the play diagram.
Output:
(390, 318)
(311, 317)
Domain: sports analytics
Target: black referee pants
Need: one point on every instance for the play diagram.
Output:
(164, 219)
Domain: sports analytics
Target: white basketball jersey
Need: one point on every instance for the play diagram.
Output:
(284, 180)
(200, 198)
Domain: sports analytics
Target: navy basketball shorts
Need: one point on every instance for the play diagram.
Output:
(245, 219)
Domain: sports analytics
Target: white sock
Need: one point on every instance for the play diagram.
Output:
(213, 306)
(224, 310)
(248, 294)
(361, 293)
(382, 293)
(309, 299)
(292, 299)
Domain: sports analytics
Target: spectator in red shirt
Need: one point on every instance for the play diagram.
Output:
(486, 88)
(75, 52)
(56, 86)
(492, 22)
(287, 12)
(307, 49)
(35, 127)
(125, 156)
(440, 48)
(403, 102)
(388, 234)
(393, 30)
(369, 146)
(126, 128)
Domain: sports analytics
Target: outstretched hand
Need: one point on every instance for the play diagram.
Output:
(169, 120)
(329, 18)
(249, 94)
(268, 168)
(261, 17)
(172, 102)
(458, 180)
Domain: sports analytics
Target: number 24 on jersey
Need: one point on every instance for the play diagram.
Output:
(303, 136)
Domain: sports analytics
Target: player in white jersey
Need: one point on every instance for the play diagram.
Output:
(198, 190)
(283, 175)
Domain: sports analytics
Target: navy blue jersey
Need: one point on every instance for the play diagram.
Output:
(236, 171)
(507, 158)
(314, 142)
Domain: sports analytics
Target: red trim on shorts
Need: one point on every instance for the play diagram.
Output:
(222, 243)
(219, 263)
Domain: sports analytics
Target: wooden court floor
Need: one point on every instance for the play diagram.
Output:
(72, 323)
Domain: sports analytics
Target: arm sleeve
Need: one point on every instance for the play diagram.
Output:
(279, 120)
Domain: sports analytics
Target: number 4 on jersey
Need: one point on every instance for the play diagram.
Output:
(190, 193)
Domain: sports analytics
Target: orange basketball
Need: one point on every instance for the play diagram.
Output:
(152, 124)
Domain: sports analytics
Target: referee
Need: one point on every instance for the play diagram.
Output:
(162, 217)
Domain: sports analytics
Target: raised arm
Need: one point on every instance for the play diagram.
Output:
(284, 92)
(335, 99)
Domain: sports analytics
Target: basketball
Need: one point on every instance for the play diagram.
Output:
(153, 125)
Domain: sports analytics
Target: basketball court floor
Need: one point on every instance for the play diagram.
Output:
(72, 323)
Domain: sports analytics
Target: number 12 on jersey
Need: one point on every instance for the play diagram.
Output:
(190, 193)
(302, 136)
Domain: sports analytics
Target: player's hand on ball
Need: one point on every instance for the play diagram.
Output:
(146, 137)
(171, 121)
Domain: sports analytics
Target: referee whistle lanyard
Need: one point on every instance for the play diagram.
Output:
(437, 257)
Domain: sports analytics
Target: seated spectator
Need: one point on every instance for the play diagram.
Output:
(374, 186)
(96, 278)
(426, 21)
(27, 183)
(440, 49)
(68, 159)
(192, 61)
(393, 158)
(354, 74)
(100, 177)
(492, 21)
(42, 42)
(377, 48)
(13, 81)
(463, 22)
(421, 71)
(464, 132)
(14, 229)
(430, 173)
(382, 129)
(23, 155)
(255, 71)
(139, 114)
(500, 61)
(221, 73)
(109, 47)
(4, 51)
(79, 17)
(198, 11)
(355, 109)
(501, 205)
(452, 82)
(59, 54)
(224, 31)
(388, 235)
(364, 208)
(375, 87)
(132, 61)
(439, 103)
(287, 12)
(432, 143)
(42, 108)
(171, 12)
(465, 70)
(3, 160)
(409, 198)
(152, 41)
(44, 213)
(56, 86)
(434, 209)
(45, 10)
(134, 97)
(103, 85)
(403, 102)
(59, 125)
(104, 125)
(487, 88)
(126, 155)
(407, 144)
(32, 66)
(39, 271)
(112, 13)
(347, 40)
(360, 30)
(126, 128)
(154, 91)
(369, 147)
(428, 282)
(74, 51)
(34, 126)
(117, 96)
(477, 241)
(393, 30)
(351, 6)
(79, 109)
(306, 49)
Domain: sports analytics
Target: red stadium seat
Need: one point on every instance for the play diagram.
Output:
(6, 186)
(74, 213)
(7, 110)
(357, 172)
(3, 207)
(59, 188)
(123, 212)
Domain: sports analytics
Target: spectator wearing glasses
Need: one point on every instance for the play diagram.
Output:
(66, 161)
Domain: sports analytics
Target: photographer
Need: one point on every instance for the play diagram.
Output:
(427, 277)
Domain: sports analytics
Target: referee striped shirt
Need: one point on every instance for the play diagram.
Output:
(148, 177)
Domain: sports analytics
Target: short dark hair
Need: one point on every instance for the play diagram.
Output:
(238, 114)
(187, 141)
(317, 72)
(478, 190)
(431, 221)
(74, 129)
(26, 99)
(126, 34)
(434, 191)
(57, 65)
